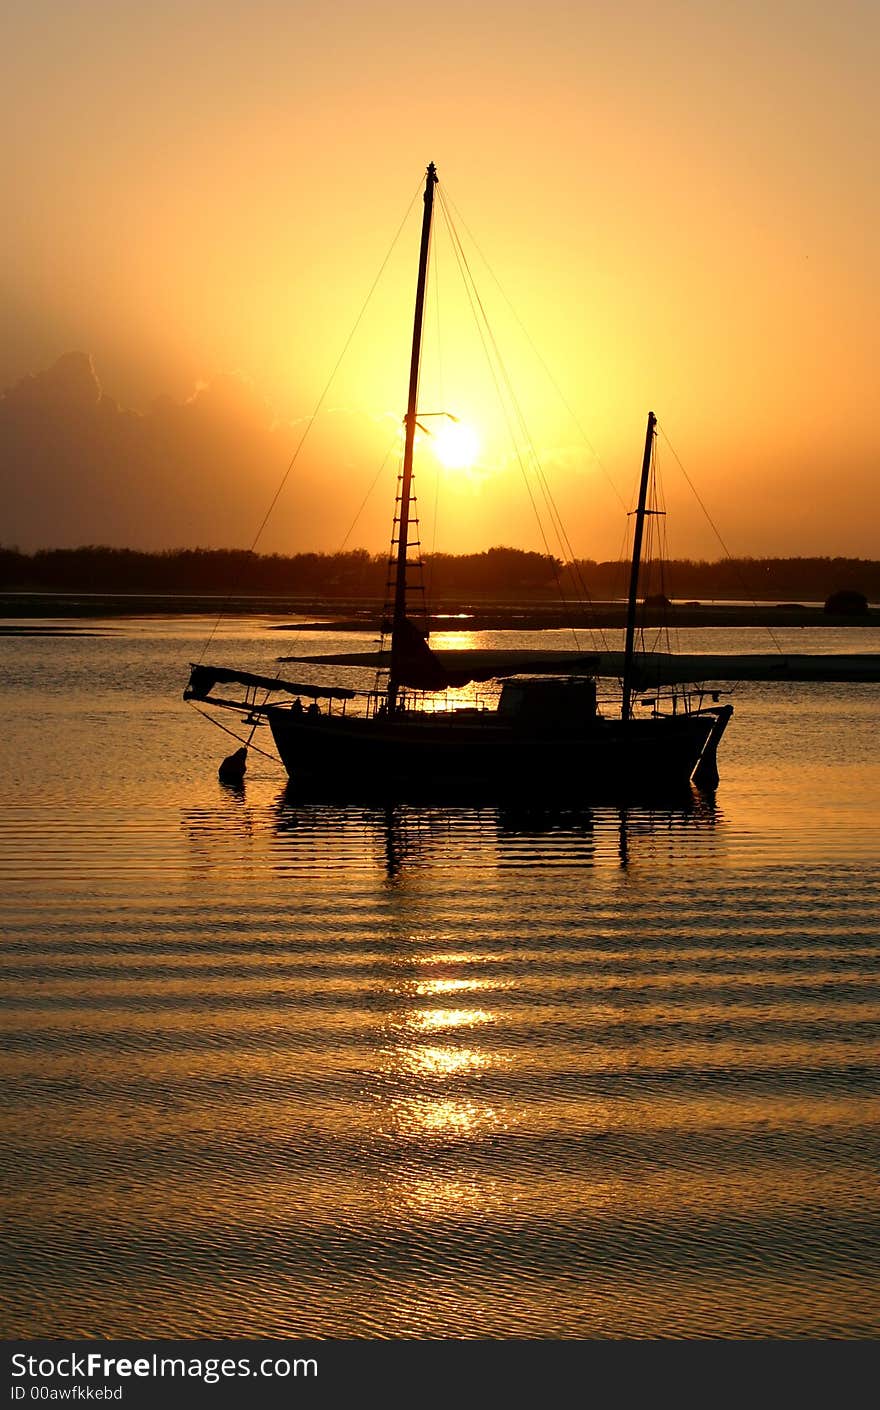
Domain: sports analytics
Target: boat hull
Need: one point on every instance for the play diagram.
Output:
(423, 753)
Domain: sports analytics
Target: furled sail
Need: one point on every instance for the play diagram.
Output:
(203, 679)
(650, 669)
(424, 669)
(414, 664)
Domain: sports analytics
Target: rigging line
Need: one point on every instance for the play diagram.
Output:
(434, 523)
(363, 504)
(536, 350)
(555, 517)
(505, 412)
(435, 270)
(728, 555)
(296, 635)
(381, 670)
(513, 407)
(619, 585)
(659, 545)
(673, 633)
(226, 730)
(667, 623)
(320, 402)
(624, 553)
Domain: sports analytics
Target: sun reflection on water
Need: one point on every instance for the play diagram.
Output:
(463, 957)
(430, 1198)
(454, 986)
(447, 640)
(440, 1062)
(432, 1019)
(431, 1066)
(440, 1116)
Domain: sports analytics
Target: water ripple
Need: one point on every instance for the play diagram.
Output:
(292, 1070)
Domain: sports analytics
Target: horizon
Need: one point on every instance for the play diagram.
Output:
(381, 555)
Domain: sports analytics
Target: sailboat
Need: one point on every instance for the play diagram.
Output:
(543, 734)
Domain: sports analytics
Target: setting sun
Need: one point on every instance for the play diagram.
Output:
(455, 444)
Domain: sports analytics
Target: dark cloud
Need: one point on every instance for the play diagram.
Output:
(76, 468)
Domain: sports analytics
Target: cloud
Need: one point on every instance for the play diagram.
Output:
(70, 384)
(76, 468)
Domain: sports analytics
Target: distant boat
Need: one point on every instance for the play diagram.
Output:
(544, 736)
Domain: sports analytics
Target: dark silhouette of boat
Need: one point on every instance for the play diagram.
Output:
(546, 735)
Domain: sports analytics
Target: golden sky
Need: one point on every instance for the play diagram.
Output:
(680, 202)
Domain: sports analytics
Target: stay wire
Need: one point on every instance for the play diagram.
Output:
(728, 555)
(320, 402)
(471, 295)
(552, 509)
(366, 498)
(302, 440)
(659, 543)
(226, 730)
(514, 404)
(538, 354)
(435, 270)
(511, 406)
(553, 512)
(297, 634)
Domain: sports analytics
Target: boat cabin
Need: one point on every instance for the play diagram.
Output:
(559, 703)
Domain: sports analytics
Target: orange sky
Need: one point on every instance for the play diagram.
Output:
(680, 201)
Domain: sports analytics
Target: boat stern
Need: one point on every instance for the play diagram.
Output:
(705, 773)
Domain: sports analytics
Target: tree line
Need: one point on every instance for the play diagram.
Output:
(498, 572)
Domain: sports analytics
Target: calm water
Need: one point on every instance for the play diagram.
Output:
(275, 1070)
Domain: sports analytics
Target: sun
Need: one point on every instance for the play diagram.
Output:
(455, 444)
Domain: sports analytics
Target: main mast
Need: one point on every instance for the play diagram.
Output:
(626, 706)
(399, 616)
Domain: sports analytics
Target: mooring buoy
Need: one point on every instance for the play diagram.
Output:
(232, 770)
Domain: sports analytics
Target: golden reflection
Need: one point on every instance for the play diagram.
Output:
(433, 1197)
(467, 957)
(453, 641)
(454, 986)
(440, 1062)
(430, 1019)
(437, 1053)
(436, 1116)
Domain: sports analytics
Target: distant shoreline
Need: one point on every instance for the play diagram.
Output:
(462, 615)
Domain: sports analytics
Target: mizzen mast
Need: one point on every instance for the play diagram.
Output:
(399, 615)
(632, 605)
